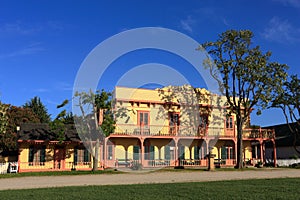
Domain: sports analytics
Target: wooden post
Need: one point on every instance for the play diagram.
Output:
(274, 153)
(211, 159)
(261, 151)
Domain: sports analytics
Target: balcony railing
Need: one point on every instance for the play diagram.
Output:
(158, 130)
(189, 131)
(259, 133)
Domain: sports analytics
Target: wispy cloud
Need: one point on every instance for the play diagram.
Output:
(28, 50)
(293, 3)
(19, 29)
(41, 90)
(196, 17)
(64, 86)
(187, 24)
(281, 31)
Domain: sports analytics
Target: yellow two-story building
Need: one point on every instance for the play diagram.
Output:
(178, 126)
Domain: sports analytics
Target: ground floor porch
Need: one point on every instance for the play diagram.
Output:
(139, 152)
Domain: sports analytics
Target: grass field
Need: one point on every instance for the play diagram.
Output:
(59, 173)
(112, 171)
(286, 188)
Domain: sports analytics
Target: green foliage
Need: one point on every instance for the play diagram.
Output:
(245, 74)
(16, 116)
(3, 126)
(3, 117)
(39, 109)
(107, 125)
(58, 125)
(91, 104)
(288, 100)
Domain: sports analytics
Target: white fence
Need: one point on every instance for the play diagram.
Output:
(10, 167)
(287, 162)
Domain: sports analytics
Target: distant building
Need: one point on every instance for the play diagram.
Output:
(284, 143)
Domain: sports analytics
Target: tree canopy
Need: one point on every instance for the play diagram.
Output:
(288, 100)
(246, 76)
(36, 105)
(15, 116)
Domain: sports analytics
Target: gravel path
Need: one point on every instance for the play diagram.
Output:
(139, 178)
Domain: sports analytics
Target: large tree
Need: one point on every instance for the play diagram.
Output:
(247, 76)
(36, 105)
(288, 100)
(15, 116)
(3, 126)
(94, 119)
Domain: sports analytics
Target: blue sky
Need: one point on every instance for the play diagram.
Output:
(43, 43)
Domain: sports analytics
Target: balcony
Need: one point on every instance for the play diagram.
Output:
(158, 130)
(259, 133)
(185, 131)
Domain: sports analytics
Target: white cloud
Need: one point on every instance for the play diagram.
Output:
(187, 24)
(18, 29)
(281, 31)
(41, 90)
(63, 86)
(28, 50)
(293, 3)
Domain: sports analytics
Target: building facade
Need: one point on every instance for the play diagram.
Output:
(179, 126)
(167, 127)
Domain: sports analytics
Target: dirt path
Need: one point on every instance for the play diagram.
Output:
(138, 178)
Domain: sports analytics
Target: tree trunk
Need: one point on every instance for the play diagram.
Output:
(96, 156)
(239, 163)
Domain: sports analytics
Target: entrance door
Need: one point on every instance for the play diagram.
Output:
(59, 158)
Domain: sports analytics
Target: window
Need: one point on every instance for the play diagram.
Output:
(143, 119)
(229, 122)
(149, 152)
(81, 155)
(196, 152)
(110, 152)
(167, 153)
(173, 119)
(203, 124)
(224, 153)
(181, 152)
(136, 152)
(174, 122)
(143, 122)
(37, 155)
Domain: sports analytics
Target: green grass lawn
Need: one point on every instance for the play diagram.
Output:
(59, 173)
(286, 188)
(112, 171)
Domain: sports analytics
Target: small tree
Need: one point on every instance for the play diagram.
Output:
(288, 100)
(36, 105)
(248, 77)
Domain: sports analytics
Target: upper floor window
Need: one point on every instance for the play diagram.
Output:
(143, 118)
(173, 119)
(229, 122)
(203, 120)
